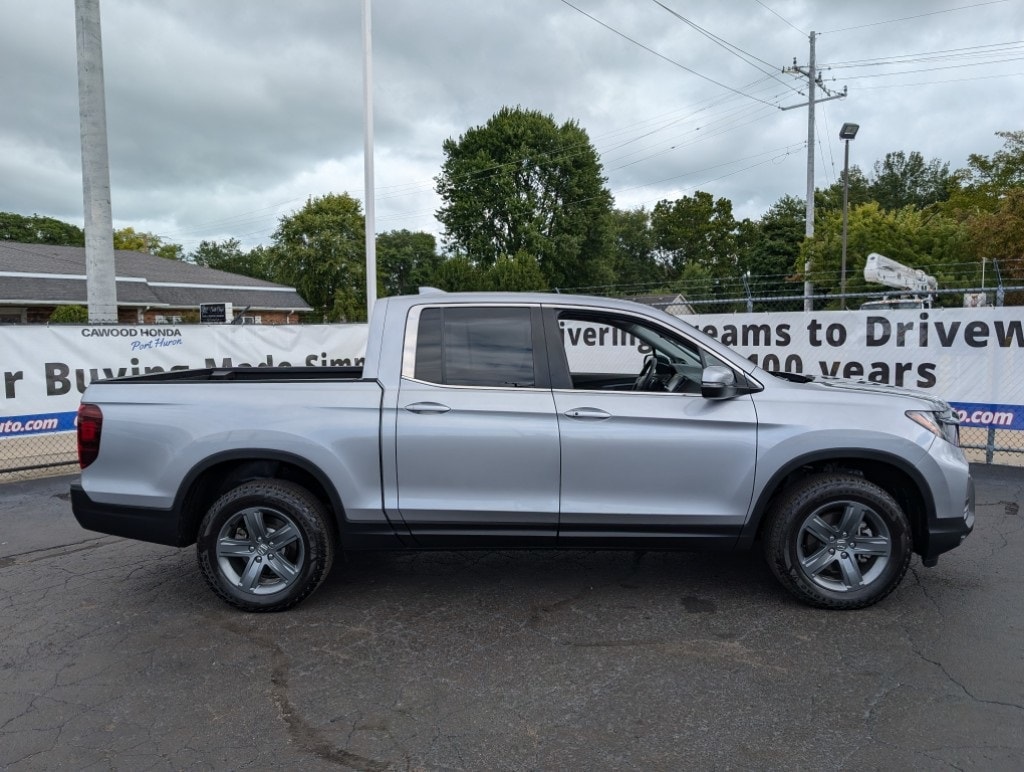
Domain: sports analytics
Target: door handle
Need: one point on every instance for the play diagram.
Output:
(427, 407)
(587, 413)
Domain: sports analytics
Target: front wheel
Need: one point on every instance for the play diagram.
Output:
(838, 541)
(265, 545)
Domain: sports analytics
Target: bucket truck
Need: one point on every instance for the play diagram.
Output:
(880, 269)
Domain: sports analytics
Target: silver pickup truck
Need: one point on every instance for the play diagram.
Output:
(501, 421)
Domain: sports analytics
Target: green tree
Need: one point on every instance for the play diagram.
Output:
(906, 180)
(696, 230)
(229, 256)
(770, 247)
(999, 235)
(634, 260)
(522, 183)
(830, 199)
(519, 273)
(697, 284)
(321, 251)
(70, 315)
(141, 241)
(405, 261)
(459, 274)
(987, 179)
(1004, 170)
(920, 239)
(37, 229)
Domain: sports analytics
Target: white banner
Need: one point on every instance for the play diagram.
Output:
(972, 357)
(44, 370)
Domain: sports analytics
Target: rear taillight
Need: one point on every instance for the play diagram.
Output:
(90, 425)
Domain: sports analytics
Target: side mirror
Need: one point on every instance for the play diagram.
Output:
(717, 382)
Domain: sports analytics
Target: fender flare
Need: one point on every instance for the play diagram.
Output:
(188, 482)
(760, 508)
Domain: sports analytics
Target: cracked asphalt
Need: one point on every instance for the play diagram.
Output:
(114, 655)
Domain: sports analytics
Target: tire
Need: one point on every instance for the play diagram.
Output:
(238, 554)
(837, 541)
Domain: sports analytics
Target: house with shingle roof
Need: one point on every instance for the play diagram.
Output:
(677, 305)
(35, 279)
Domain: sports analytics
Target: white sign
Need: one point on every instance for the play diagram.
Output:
(972, 357)
(44, 370)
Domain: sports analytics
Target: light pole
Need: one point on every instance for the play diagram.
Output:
(848, 132)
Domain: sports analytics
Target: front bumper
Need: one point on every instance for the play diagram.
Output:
(944, 534)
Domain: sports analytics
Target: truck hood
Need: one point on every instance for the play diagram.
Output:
(865, 387)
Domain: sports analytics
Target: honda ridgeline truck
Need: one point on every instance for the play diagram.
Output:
(501, 421)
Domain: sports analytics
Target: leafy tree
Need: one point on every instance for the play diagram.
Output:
(229, 256)
(37, 229)
(140, 241)
(1004, 170)
(522, 183)
(520, 273)
(459, 274)
(906, 180)
(696, 230)
(405, 261)
(920, 239)
(70, 315)
(634, 260)
(697, 285)
(999, 235)
(770, 247)
(831, 198)
(986, 179)
(321, 251)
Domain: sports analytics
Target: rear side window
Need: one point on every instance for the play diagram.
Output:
(475, 347)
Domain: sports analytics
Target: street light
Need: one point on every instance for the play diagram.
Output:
(848, 132)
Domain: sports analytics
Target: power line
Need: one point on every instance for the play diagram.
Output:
(940, 82)
(828, 133)
(662, 56)
(917, 16)
(802, 32)
(992, 49)
(781, 152)
(932, 69)
(739, 53)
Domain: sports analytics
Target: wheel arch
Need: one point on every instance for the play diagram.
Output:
(219, 473)
(893, 474)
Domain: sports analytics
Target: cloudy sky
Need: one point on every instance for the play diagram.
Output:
(224, 115)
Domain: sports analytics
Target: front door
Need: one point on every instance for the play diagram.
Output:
(643, 455)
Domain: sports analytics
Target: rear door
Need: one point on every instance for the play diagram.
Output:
(477, 447)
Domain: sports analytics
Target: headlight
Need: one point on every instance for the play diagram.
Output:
(944, 425)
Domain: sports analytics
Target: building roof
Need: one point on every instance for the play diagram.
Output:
(42, 274)
(673, 304)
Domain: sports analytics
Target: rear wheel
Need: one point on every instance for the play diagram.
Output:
(265, 545)
(838, 541)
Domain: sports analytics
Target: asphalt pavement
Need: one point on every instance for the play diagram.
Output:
(115, 655)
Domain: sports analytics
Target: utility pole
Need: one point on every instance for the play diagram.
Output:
(100, 278)
(370, 203)
(813, 82)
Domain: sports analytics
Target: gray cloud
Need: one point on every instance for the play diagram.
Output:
(224, 116)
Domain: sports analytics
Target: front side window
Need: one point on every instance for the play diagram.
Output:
(609, 352)
(466, 346)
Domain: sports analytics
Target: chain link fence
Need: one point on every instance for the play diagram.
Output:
(40, 455)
